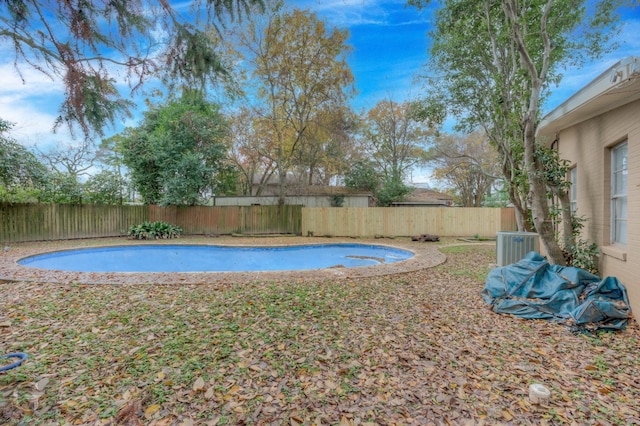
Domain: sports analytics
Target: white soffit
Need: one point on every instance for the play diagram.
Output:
(617, 86)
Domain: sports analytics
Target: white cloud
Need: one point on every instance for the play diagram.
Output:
(31, 101)
(28, 121)
(347, 13)
(30, 104)
(28, 82)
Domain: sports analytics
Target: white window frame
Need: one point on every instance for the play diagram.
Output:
(573, 191)
(619, 190)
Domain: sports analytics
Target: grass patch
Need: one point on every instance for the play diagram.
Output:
(460, 249)
(477, 269)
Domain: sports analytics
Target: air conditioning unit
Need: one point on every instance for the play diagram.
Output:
(513, 246)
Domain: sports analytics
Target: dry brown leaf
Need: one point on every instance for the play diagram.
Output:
(209, 393)
(151, 410)
(41, 384)
(296, 420)
(198, 385)
(345, 422)
(506, 414)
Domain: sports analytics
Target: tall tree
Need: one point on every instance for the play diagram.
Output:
(86, 44)
(114, 172)
(104, 187)
(331, 147)
(394, 139)
(110, 153)
(327, 155)
(68, 164)
(363, 176)
(20, 169)
(177, 155)
(299, 69)
(391, 142)
(250, 144)
(469, 164)
(62, 188)
(73, 159)
(494, 62)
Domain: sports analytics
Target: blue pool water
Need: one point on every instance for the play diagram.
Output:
(198, 258)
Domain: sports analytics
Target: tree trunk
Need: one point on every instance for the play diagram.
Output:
(519, 204)
(535, 78)
(539, 199)
(520, 210)
(282, 171)
(281, 185)
(568, 239)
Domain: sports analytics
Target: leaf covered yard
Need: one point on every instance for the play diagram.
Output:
(415, 348)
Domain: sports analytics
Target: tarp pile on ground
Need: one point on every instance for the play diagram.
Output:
(532, 288)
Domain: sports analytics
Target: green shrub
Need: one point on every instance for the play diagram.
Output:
(337, 200)
(581, 254)
(154, 230)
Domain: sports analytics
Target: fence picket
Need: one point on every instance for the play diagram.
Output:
(36, 222)
(406, 221)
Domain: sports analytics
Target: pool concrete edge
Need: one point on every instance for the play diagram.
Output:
(425, 256)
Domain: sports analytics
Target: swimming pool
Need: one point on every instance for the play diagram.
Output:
(209, 258)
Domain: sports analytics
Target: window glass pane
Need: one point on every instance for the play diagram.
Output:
(619, 188)
(619, 183)
(621, 208)
(621, 232)
(620, 157)
(617, 160)
(573, 177)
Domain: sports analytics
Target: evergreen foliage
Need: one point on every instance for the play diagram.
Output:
(177, 155)
(20, 171)
(86, 44)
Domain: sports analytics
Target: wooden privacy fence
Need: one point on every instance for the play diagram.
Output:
(407, 221)
(37, 222)
(283, 219)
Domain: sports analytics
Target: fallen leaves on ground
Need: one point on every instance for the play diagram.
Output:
(416, 348)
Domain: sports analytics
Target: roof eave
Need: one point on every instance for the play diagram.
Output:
(608, 91)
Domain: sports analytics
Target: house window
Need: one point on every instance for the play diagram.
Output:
(573, 178)
(619, 176)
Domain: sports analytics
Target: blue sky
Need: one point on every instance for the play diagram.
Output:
(391, 46)
(389, 43)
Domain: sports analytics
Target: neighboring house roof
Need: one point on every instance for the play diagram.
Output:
(423, 196)
(297, 187)
(330, 190)
(317, 190)
(617, 86)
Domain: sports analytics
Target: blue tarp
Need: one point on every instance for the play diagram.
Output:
(533, 288)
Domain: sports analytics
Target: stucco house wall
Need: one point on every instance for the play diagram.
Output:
(584, 130)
